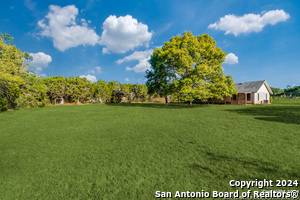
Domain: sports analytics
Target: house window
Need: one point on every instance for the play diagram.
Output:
(248, 97)
(234, 97)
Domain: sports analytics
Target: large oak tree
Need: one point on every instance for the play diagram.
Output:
(190, 66)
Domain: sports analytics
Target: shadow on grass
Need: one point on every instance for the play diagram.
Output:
(289, 114)
(257, 168)
(158, 105)
(9, 110)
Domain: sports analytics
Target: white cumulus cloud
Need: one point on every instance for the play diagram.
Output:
(248, 23)
(60, 25)
(30, 5)
(39, 61)
(137, 55)
(95, 70)
(123, 34)
(127, 79)
(143, 60)
(141, 67)
(98, 69)
(231, 59)
(89, 77)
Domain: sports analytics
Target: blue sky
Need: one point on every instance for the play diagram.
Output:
(112, 40)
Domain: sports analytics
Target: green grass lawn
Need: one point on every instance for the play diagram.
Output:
(130, 151)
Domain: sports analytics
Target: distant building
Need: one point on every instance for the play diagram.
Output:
(256, 92)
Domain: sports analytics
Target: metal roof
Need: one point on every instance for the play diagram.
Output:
(251, 87)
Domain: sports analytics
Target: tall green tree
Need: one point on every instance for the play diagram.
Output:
(190, 66)
(12, 70)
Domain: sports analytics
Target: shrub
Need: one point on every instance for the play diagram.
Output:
(48, 102)
(271, 99)
(22, 102)
(3, 103)
(33, 104)
(42, 104)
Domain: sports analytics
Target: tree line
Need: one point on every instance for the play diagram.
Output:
(294, 91)
(187, 67)
(289, 91)
(20, 87)
(40, 91)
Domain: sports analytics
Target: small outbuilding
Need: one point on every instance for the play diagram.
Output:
(256, 92)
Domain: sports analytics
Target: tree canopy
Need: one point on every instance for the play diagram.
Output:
(294, 91)
(20, 87)
(277, 91)
(190, 66)
(12, 72)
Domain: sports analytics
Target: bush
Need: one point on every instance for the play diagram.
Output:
(22, 102)
(33, 104)
(3, 103)
(48, 102)
(42, 104)
(271, 99)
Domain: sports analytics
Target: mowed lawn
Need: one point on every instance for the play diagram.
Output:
(130, 151)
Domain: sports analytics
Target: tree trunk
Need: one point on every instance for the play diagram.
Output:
(190, 102)
(167, 99)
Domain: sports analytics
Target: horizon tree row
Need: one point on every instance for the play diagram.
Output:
(40, 91)
(20, 87)
(187, 67)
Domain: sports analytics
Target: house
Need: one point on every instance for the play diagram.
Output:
(256, 92)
